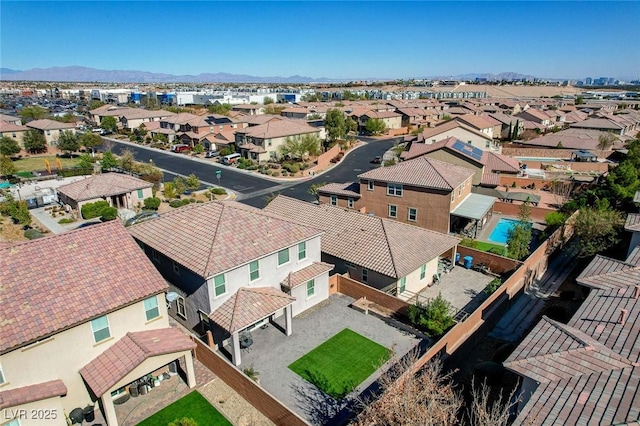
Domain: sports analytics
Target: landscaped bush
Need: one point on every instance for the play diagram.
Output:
(294, 168)
(66, 220)
(91, 210)
(493, 286)
(109, 213)
(433, 317)
(275, 174)
(179, 203)
(284, 173)
(79, 171)
(32, 234)
(17, 209)
(152, 203)
(218, 191)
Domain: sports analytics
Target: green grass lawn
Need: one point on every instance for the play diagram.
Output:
(341, 363)
(193, 406)
(29, 164)
(489, 247)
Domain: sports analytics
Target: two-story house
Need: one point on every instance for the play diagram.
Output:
(13, 131)
(394, 257)
(235, 267)
(482, 123)
(537, 116)
(51, 129)
(83, 315)
(460, 131)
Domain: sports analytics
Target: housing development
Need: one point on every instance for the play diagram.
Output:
(437, 251)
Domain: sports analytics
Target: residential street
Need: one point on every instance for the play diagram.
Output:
(252, 188)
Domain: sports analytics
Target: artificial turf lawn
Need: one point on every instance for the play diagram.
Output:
(28, 164)
(193, 406)
(341, 363)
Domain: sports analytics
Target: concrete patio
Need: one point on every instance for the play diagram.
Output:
(272, 351)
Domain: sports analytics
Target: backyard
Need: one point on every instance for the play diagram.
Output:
(193, 406)
(341, 363)
(33, 163)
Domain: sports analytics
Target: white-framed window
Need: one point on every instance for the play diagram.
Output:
(453, 195)
(204, 321)
(394, 189)
(487, 144)
(155, 255)
(403, 285)
(393, 210)
(181, 310)
(334, 200)
(302, 250)
(350, 203)
(100, 329)
(423, 272)
(349, 265)
(176, 267)
(254, 270)
(151, 310)
(460, 190)
(311, 288)
(365, 275)
(283, 256)
(412, 215)
(219, 285)
(2, 379)
(370, 185)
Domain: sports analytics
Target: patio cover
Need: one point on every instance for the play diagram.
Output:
(520, 196)
(475, 206)
(295, 279)
(32, 393)
(122, 357)
(248, 306)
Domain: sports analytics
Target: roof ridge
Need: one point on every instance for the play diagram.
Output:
(235, 304)
(429, 160)
(386, 238)
(213, 242)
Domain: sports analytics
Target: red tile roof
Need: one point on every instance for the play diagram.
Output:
(47, 124)
(607, 273)
(423, 172)
(348, 189)
(31, 393)
(297, 278)
(382, 245)
(11, 127)
(435, 132)
(478, 121)
(122, 357)
(54, 283)
(102, 185)
(633, 222)
(214, 237)
(248, 306)
(278, 129)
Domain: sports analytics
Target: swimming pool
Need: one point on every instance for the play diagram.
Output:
(541, 159)
(500, 233)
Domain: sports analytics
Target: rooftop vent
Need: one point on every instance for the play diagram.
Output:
(623, 316)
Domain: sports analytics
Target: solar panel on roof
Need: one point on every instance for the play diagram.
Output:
(467, 149)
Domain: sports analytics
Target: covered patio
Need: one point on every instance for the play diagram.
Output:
(471, 214)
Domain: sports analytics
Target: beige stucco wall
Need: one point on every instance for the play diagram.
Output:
(414, 283)
(64, 354)
(462, 135)
(448, 157)
(17, 136)
(52, 136)
(303, 302)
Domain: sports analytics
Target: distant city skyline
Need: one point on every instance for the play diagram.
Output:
(336, 40)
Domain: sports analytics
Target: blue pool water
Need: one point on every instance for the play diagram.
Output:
(541, 159)
(500, 233)
(4, 185)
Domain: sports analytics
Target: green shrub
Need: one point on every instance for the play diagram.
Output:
(275, 174)
(192, 200)
(468, 242)
(180, 203)
(294, 168)
(152, 203)
(91, 210)
(109, 213)
(434, 317)
(555, 219)
(493, 286)
(284, 173)
(66, 220)
(32, 234)
(218, 191)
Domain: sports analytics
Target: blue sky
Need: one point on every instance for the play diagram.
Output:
(326, 39)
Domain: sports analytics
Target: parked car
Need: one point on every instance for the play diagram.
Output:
(212, 154)
(180, 148)
(377, 160)
(141, 217)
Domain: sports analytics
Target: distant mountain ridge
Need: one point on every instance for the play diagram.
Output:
(86, 75)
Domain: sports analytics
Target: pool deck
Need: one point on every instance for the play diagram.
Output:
(488, 228)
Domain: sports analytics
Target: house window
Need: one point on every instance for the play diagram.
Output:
(469, 142)
(204, 321)
(394, 189)
(334, 200)
(423, 272)
(254, 270)
(219, 285)
(302, 250)
(180, 307)
(349, 265)
(283, 256)
(487, 144)
(151, 308)
(403, 285)
(393, 210)
(460, 190)
(453, 195)
(140, 193)
(370, 185)
(365, 275)
(350, 203)
(155, 255)
(2, 379)
(176, 267)
(100, 328)
(311, 288)
(413, 214)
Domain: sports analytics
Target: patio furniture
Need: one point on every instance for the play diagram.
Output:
(245, 340)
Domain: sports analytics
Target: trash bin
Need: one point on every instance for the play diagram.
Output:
(133, 390)
(468, 261)
(457, 258)
(76, 416)
(89, 414)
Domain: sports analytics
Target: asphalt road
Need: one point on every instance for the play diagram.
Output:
(251, 189)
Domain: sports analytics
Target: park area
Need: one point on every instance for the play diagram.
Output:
(192, 406)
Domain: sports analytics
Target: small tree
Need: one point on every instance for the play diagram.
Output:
(486, 410)
(108, 161)
(68, 142)
(30, 113)
(597, 228)
(90, 140)
(95, 104)
(169, 190)
(85, 161)
(179, 185)
(198, 149)
(152, 203)
(434, 317)
(606, 141)
(579, 100)
(222, 109)
(375, 126)
(127, 159)
(109, 123)
(9, 146)
(519, 236)
(7, 168)
(335, 124)
(267, 100)
(192, 182)
(34, 141)
(313, 190)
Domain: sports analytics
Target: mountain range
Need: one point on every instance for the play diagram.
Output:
(85, 74)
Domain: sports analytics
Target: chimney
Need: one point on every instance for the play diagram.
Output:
(623, 316)
(636, 292)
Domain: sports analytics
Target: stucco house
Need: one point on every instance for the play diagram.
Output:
(51, 129)
(13, 131)
(460, 131)
(537, 116)
(390, 256)
(10, 119)
(482, 123)
(234, 268)
(83, 316)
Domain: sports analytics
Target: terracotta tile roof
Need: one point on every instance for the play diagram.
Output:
(423, 172)
(478, 121)
(297, 278)
(278, 129)
(248, 306)
(53, 283)
(138, 113)
(122, 357)
(435, 132)
(540, 115)
(572, 139)
(10, 119)
(11, 127)
(214, 237)
(382, 245)
(490, 179)
(102, 185)
(381, 114)
(505, 119)
(153, 125)
(348, 189)
(633, 222)
(31, 393)
(500, 163)
(47, 124)
(253, 148)
(592, 123)
(180, 118)
(607, 273)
